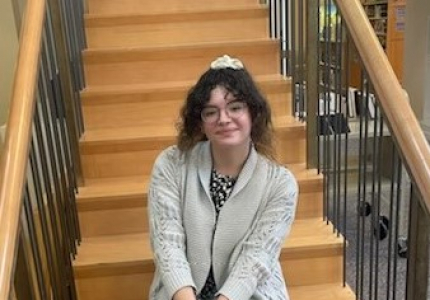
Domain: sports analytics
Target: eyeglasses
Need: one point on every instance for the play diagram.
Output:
(233, 109)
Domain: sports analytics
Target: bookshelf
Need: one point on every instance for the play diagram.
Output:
(377, 12)
(387, 18)
(395, 35)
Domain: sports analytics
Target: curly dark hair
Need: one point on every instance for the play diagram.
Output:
(241, 85)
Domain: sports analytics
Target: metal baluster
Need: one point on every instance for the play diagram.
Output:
(360, 203)
(295, 108)
(72, 186)
(47, 240)
(34, 244)
(65, 131)
(53, 149)
(81, 39)
(395, 161)
(374, 245)
(67, 11)
(289, 35)
(365, 143)
(276, 18)
(58, 201)
(320, 90)
(394, 228)
(271, 19)
(312, 80)
(338, 118)
(346, 165)
(66, 203)
(23, 287)
(80, 22)
(64, 208)
(58, 283)
(301, 56)
(56, 140)
(55, 38)
(58, 92)
(283, 37)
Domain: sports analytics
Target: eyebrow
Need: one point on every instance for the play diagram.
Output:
(227, 100)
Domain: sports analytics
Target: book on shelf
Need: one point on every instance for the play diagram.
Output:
(333, 124)
(358, 104)
(331, 114)
(352, 113)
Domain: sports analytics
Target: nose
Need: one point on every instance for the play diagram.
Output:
(223, 116)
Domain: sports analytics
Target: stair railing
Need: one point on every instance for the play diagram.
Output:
(40, 165)
(364, 137)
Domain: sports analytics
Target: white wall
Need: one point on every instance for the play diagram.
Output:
(8, 50)
(416, 64)
(426, 118)
(10, 17)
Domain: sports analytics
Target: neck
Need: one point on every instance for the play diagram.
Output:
(229, 161)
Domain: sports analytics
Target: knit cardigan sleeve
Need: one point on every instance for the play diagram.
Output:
(166, 226)
(261, 249)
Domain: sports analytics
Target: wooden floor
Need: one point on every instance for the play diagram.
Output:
(142, 58)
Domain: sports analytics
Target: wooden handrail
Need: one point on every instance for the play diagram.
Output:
(393, 99)
(13, 164)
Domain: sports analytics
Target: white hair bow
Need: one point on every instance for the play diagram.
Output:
(226, 61)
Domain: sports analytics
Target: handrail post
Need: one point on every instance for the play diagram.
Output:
(311, 75)
(418, 251)
(64, 70)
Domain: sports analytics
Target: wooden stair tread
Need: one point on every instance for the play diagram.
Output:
(97, 55)
(168, 86)
(158, 132)
(129, 134)
(138, 185)
(128, 192)
(321, 292)
(131, 6)
(113, 193)
(311, 234)
(128, 248)
(221, 13)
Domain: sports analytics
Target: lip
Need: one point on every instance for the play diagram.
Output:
(224, 132)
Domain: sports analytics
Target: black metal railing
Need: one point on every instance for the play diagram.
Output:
(370, 196)
(48, 227)
(285, 24)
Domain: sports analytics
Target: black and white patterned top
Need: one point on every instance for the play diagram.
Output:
(220, 189)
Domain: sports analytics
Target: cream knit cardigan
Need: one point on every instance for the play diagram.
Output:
(243, 246)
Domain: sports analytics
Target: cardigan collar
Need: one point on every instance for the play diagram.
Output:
(205, 168)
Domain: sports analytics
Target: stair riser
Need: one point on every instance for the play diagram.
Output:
(136, 158)
(125, 287)
(134, 220)
(99, 222)
(140, 67)
(134, 6)
(164, 34)
(136, 286)
(138, 112)
(312, 270)
(310, 205)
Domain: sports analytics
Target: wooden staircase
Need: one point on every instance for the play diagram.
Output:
(142, 57)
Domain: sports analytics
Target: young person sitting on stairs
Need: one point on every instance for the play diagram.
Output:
(220, 206)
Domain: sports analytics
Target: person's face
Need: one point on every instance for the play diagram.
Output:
(226, 121)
